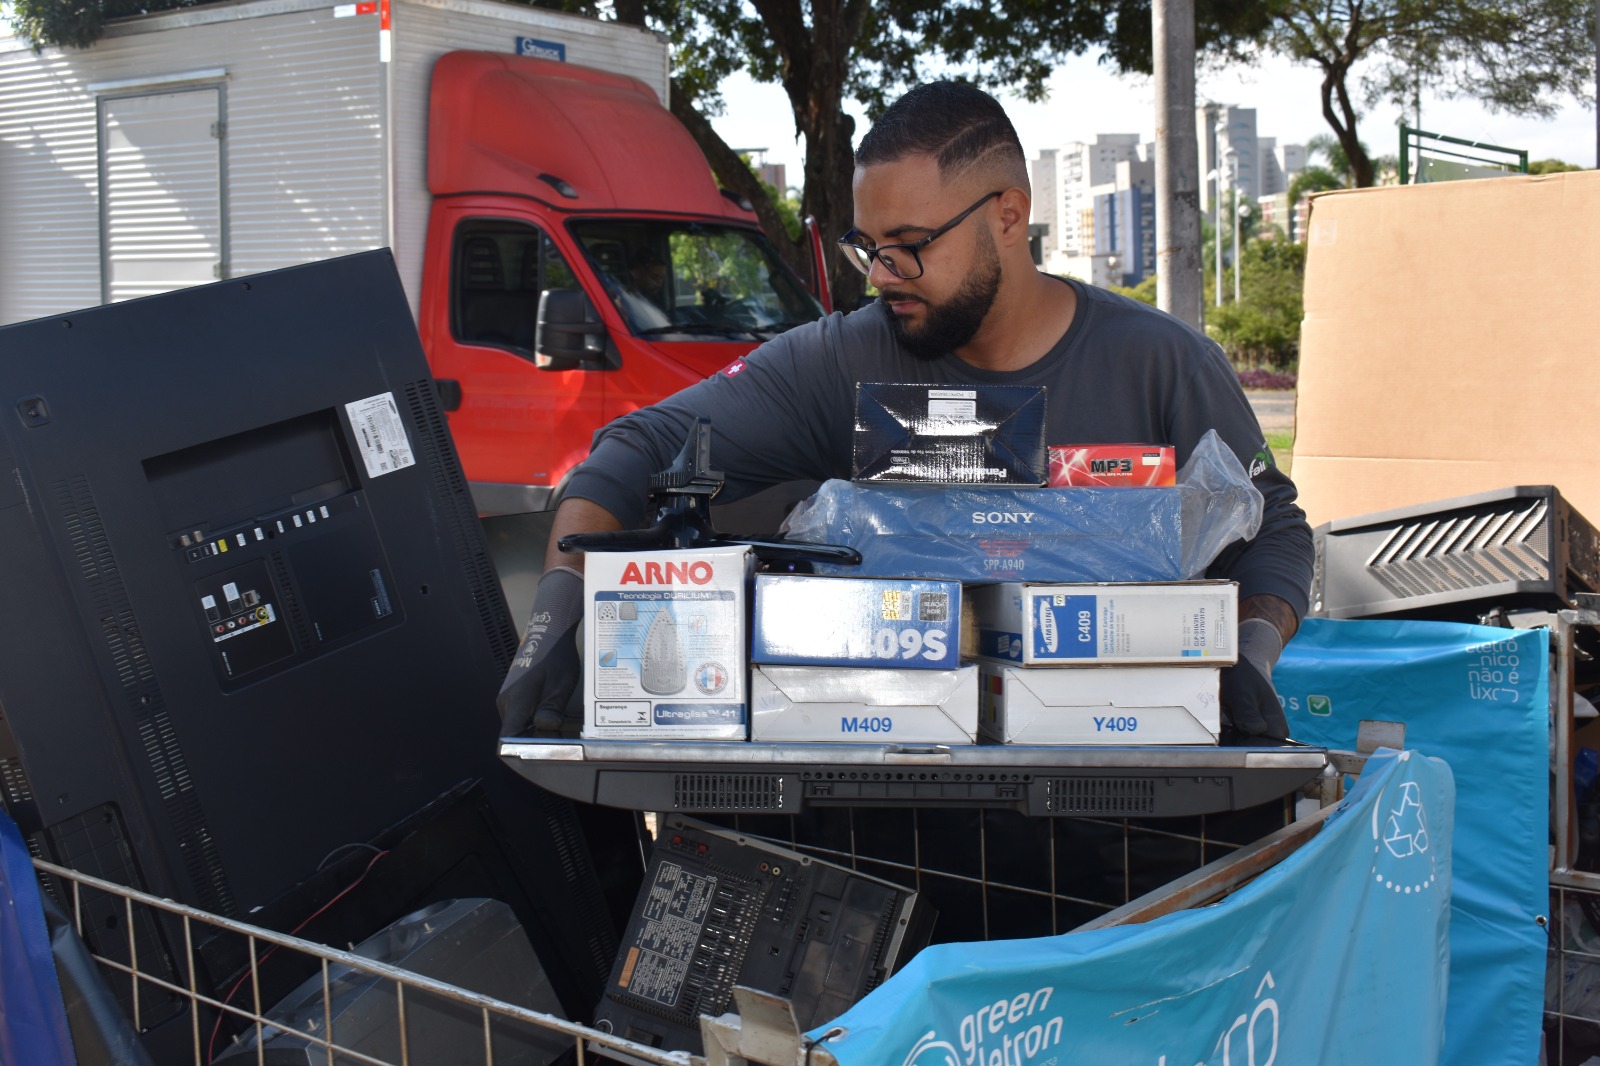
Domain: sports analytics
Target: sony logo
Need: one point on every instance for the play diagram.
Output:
(999, 518)
(655, 573)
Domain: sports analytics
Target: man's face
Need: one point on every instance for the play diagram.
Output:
(649, 277)
(904, 201)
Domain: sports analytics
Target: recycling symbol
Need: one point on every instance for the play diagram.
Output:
(1405, 832)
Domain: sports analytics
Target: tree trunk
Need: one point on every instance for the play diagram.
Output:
(816, 61)
(735, 175)
(1343, 122)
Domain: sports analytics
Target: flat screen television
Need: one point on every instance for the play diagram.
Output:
(247, 612)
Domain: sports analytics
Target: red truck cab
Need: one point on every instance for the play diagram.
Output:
(581, 263)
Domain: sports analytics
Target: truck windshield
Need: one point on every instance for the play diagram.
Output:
(694, 279)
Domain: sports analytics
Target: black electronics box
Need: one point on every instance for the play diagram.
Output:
(951, 434)
(719, 909)
(1454, 560)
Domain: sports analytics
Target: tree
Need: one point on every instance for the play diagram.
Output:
(1551, 166)
(1520, 56)
(1264, 326)
(827, 51)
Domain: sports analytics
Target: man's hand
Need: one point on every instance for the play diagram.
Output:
(547, 667)
(1250, 704)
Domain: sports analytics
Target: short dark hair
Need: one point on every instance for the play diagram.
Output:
(955, 122)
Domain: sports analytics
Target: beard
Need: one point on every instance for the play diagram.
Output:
(950, 325)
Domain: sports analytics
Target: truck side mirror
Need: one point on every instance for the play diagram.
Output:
(570, 335)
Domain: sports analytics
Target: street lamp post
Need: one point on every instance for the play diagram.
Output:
(1229, 169)
(1239, 209)
(1215, 177)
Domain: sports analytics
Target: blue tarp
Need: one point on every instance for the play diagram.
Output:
(1476, 697)
(1338, 954)
(33, 1019)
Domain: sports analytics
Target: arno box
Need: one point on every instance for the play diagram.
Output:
(664, 644)
(1113, 466)
(807, 620)
(953, 435)
(1177, 622)
(863, 705)
(1118, 705)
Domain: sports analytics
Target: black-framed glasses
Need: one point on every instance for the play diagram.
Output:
(904, 261)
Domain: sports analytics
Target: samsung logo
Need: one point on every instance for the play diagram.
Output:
(1047, 626)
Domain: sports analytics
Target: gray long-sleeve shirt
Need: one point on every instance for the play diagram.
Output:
(1122, 373)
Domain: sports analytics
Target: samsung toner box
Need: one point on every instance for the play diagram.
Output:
(1177, 622)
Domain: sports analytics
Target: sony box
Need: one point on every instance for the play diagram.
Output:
(863, 705)
(965, 435)
(806, 620)
(1113, 466)
(1177, 622)
(664, 644)
(1099, 705)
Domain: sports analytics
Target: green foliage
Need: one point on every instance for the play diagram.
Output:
(1144, 292)
(1522, 57)
(787, 205)
(1551, 166)
(1264, 326)
(1312, 179)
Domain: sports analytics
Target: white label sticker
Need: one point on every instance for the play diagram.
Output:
(958, 410)
(380, 434)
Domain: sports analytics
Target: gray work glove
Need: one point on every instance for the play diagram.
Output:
(1250, 704)
(547, 668)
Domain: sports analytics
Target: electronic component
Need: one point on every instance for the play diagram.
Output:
(718, 909)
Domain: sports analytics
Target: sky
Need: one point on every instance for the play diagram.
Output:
(1087, 99)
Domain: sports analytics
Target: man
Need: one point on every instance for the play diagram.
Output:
(941, 229)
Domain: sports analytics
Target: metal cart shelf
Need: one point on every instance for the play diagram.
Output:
(753, 778)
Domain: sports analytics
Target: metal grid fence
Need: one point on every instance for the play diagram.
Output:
(1002, 875)
(505, 1027)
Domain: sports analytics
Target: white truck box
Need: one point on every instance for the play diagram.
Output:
(226, 140)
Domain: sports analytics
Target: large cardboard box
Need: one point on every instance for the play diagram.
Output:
(1449, 335)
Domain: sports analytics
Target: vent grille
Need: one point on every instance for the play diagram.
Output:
(1100, 795)
(433, 444)
(108, 597)
(96, 843)
(14, 782)
(727, 792)
(1467, 550)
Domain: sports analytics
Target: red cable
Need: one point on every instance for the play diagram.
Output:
(215, 1029)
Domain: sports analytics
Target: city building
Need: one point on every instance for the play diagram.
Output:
(1094, 204)
(1229, 153)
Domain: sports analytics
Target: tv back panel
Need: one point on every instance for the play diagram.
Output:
(247, 613)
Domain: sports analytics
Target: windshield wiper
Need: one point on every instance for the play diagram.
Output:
(715, 329)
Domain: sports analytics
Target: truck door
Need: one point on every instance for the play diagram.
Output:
(160, 157)
(515, 425)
